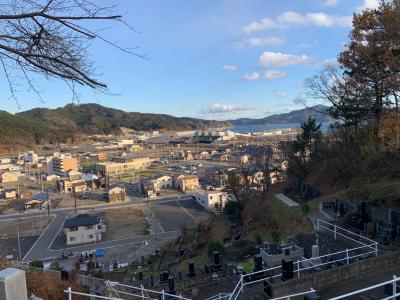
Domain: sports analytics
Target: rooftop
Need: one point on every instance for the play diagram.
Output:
(82, 220)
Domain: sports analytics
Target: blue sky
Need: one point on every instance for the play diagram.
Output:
(214, 59)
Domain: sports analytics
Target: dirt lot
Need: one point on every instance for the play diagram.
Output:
(69, 201)
(124, 222)
(27, 227)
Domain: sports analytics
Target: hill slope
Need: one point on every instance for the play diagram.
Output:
(57, 125)
(295, 116)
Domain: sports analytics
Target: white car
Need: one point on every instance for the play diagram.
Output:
(145, 243)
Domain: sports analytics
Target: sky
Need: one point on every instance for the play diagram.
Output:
(212, 59)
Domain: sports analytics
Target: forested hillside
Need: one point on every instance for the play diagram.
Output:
(58, 125)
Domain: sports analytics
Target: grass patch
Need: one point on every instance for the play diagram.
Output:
(382, 193)
(280, 220)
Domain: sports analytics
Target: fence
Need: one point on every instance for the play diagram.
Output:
(368, 248)
(144, 293)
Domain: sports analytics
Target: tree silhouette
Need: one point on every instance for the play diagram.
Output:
(51, 38)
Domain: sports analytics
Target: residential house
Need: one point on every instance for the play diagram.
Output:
(30, 157)
(83, 229)
(220, 157)
(7, 176)
(68, 185)
(40, 200)
(211, 200)
(92, 181)
(116, 194)
(188, 183)
(241, 158)
(151, 186)
(202, 155)
(9, 194)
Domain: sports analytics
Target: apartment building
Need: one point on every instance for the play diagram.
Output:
(83, 229)
(61, 164)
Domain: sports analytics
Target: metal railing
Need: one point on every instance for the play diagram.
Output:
(141, 292)
(368, 248)
(394, 293)
(220, 296)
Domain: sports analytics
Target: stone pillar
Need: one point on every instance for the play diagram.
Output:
(13, 284)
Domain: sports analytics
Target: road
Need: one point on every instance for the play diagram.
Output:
(41, 249)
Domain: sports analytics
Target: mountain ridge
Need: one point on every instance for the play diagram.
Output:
(319, 112)
(42, 125)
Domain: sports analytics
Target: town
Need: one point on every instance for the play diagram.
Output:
(200, 150)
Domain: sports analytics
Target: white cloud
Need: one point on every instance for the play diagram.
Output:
(255, 42)
(281, 94)
(271, 41)
(226, 108)
(278, 59)
(229, 68)
(275, 74)
(290, 18)
(331, 2)
(369, 4)
(259, 26)
(259, 41)
(252, 76)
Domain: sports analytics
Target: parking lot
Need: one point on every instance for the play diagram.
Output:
(176, 215)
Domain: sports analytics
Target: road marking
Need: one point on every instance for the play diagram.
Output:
(34, 244)
(186, 211)
(58, 231)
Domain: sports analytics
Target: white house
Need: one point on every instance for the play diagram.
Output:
(83, 229)
(211, 200)
(30, 157)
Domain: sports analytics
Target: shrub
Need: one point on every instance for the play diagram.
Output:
(37, 264)
(213, 246)
(231, 208)
(276, 236)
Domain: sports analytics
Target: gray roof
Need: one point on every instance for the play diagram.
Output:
(82, 220)
(42, 196)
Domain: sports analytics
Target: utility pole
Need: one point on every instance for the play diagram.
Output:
(48, 203)
(19, 242)
(73, 190)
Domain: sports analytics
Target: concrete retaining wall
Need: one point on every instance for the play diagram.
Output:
(328, 278)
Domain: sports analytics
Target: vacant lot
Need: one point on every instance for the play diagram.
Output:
(27, 227)
(124, 222)
(175, 216)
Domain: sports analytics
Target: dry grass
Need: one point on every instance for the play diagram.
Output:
(27, 227)
(125, 222)
(282, 219)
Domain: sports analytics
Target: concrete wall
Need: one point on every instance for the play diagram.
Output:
(328, 278)
(13, 284)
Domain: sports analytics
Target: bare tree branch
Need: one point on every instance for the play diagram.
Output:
(51, 38)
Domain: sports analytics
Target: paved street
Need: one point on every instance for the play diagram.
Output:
(41, 249)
